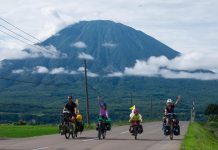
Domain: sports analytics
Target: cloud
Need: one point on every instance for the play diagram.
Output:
(81, 69)
(46, 51)
(184, 25)
(89, 73)
(40, 69)
(79, 45)
(186, 75)
(53, 71)
(189, 26)
(18, 71)
(73, 72)
(59, 70)
(182, 67)
(10, 50)
(85, 56)
(109, 45)
(115, 74)
(142, 68)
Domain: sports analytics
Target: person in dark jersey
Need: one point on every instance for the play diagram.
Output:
(71, 107)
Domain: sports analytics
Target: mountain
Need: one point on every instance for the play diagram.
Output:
(114, 46)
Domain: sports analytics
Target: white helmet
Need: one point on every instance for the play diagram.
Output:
(169, 101)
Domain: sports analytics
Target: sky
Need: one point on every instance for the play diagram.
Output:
(188, 26)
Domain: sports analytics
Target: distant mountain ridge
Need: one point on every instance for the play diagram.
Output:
(114, 46)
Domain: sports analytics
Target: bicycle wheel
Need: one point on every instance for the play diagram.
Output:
(75, 130)
(171, 131)
(72, 130)
(104, 131)
(99, 132)
(104, 134)
(67, 131)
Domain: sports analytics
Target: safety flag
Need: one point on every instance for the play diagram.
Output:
(77, 102)
(132, 108)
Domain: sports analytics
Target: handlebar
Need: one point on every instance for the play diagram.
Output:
(66, 112)
(170, 114)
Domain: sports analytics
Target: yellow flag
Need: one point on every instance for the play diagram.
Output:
(132, 108)
(77, 101)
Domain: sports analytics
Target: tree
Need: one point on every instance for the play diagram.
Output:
(212, 112)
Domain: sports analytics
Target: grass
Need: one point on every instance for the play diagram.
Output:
(212, 126)
(20, 131)
(199, 137)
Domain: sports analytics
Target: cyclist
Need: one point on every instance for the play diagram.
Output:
(138, 118)
(170, 106)
(103, 113)
(71, 107)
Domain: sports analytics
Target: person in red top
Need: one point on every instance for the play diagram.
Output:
(170, 106)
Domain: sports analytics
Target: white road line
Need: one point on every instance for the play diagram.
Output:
(97, 138)
(40, 148)
(89, 140)
(124, 132)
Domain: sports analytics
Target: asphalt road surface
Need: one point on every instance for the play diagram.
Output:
(118, 139)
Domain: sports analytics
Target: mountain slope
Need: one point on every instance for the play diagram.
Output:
(114, 46)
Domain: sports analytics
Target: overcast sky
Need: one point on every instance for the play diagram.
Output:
(188, 26)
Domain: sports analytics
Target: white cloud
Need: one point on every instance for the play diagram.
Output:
(73, 72)
(181, 67)
(47, 51)
(185, 75)
(81, 69)
(142, 68)
(40, 69)
(185, 25)
(189, 26)
(115, 74)
(10, 50)
(109, 45)
(85, 56)
(18, 71)
(59, 70)
(89, 73)
(79, 44)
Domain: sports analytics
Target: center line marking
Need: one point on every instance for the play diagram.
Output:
(124, 132)
(89, 140)
(40, 148)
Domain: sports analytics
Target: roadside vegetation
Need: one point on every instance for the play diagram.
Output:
(21, 129)
(203, 136)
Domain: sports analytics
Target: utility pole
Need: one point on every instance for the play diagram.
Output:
(87, 94)
(193, 112)
(151, 107)
(193, 109)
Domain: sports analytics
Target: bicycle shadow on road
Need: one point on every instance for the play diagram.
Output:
(143, 139)
(139, 139)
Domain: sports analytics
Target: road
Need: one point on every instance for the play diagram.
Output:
(119, 138)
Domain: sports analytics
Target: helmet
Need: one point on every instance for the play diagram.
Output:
(103, 104)
(136, 111)
(69, 97)
(169, 101)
